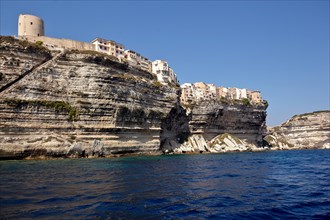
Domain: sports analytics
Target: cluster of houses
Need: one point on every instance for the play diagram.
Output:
(197, 92)
(164, 73)
(31, 28)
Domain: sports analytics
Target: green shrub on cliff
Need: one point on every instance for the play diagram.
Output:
(59, 106)
(224, 100)
(137, 113)
(39, 43)
(265, 103)
(157, 84)
(155, 114)
(27, 46)
(126, 77)
(246, 102)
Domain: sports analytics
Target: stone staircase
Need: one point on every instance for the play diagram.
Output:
(45, 63)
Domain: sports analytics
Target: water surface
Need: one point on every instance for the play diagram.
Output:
(266, 185)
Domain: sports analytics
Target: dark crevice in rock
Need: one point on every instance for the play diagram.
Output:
(174, 128)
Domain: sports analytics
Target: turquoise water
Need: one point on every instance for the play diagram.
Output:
(266, 185)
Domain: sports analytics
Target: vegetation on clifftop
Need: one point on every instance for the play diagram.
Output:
(28, 46)
(312, 113)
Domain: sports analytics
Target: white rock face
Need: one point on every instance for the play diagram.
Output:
(227, 142)
(221, 143)
(306, 131)
(195, 143)
(277, 143)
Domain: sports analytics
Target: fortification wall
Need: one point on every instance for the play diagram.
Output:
(59, 43)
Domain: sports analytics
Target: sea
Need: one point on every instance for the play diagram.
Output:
(256, 185)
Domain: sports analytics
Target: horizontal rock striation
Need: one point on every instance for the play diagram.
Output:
(77, 103)
(305, 131)
(18, 57)
(200, 123)
(246, 122)
(83, 103)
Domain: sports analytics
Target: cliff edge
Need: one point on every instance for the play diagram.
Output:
(305, 131)
(77, 103)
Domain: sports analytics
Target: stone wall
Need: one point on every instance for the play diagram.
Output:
(59, 43)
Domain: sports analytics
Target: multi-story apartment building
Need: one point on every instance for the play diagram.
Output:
(135, 59)
(109, 47)
(205, 91)
(172, 76)
(235, 93)
(165, 74)
(200, 91)
(221, 92)
(187, 93)
(255, 96)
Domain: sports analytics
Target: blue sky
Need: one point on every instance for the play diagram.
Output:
(278, 47)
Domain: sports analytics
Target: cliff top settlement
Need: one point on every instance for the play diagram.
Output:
(198, 92)
(31, 28)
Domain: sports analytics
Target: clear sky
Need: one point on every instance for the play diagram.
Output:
(278, 47)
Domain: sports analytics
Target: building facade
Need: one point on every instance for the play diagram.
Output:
(187, 93)
(135, 59)
(255, 96)
(109, 47)
(164, 73)
(200, 91)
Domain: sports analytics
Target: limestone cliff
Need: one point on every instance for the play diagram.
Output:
(77, 103)
(247, 122)
(305, 131)
(206, 120)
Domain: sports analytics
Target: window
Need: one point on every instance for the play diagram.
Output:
(31, 23)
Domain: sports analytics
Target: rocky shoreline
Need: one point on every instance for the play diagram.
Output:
(77, 104)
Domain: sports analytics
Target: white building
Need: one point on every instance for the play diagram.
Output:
(235, 93)
(109, 47)
(205, 91)
(187, 93)
(241, 94)
(222, 92)
(137, 60)
(197, 92)
(200, 91)
(165, 74)
(255, 96)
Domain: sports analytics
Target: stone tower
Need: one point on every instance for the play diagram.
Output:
(30, 25)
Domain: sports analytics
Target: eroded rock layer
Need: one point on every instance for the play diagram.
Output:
(200, 123)
(77, 103)
(306, 131)
(214, 118)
